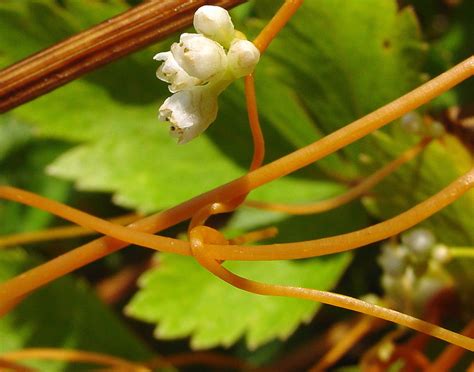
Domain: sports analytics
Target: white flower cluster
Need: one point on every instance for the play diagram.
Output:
(413, 271)
(199, 68)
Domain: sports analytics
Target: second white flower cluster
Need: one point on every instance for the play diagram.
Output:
(199, 68)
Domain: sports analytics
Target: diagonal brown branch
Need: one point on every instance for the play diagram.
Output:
(55, 66)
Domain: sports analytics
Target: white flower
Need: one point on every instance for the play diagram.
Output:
(393, 259)
(420, 241)
(215, 23)
(243, 56)
(189, 112)
(199, 56)
(170, 72)
(198, 70)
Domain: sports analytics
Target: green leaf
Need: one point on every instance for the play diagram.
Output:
(372, 54)
(450, 46)
(296, 228)
(13, 135)
(441, 163)
(22, 162)
(65, 314)
(214, 313)
(348, 58)
(150, 167)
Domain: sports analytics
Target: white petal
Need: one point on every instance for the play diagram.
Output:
(215, 23)
(199, 56)
(178, 110)
(170, 72)
(189, 112)
(243, 56)
(162, 56)
(419, 240)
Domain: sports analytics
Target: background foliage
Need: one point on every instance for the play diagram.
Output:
(96, 143)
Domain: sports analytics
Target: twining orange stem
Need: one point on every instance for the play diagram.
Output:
(119, 364)
(279, 20)
(8, 366)
(359, 238)
(89, 221)
(21, 285)
(74, 356)
(306, 249)
(257, 135)
(83, 255)
(371, 359)
(442, 304)
(201, 216)
(8, 304)
(360, 329)
(413, 358)
(254, 236)
(115, 287)
(450, 356)
(358, 190)
(200, 252)
(56, 233)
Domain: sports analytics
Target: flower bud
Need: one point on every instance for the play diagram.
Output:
(420, 241)
(393, 259)
(215, 23)
(441, 253)
(170, 72)
(199, 56)
(198, 70)
(189, 113)
(243, 57)
(412, 122)
(394, 290)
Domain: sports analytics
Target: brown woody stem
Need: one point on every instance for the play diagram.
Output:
(128, 32)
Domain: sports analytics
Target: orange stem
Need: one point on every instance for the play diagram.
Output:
(114, 288)
(200, 252)
(412, 357)
(306, 249)
(255, 236)
(56, 233)
(34, 278)
(279, 20)
(257, 135)
(450, 356)
(361, 328)
(348, 241)
(203, 214)
(81, 256)
(355, 192)
(8, 366)
(73, 356)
